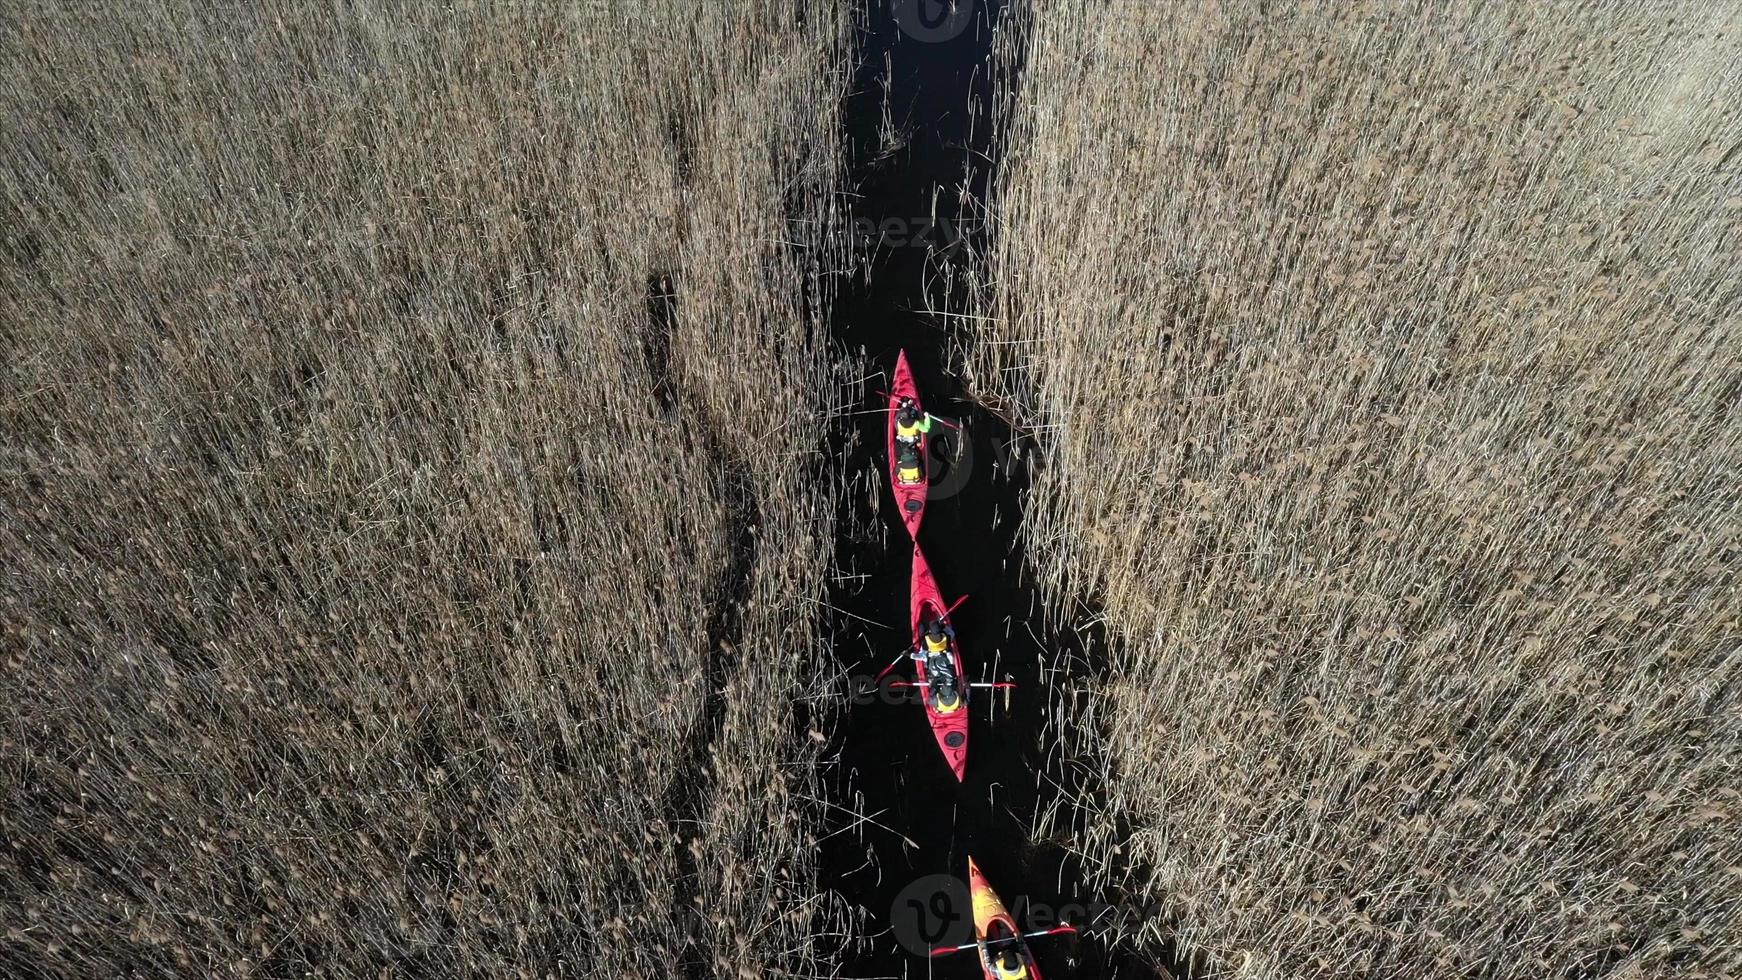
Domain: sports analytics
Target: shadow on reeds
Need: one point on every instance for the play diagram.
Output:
(656, 337)
(914, 820)
(686, 798)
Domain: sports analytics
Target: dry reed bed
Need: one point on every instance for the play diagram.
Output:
(370, 548)
(1385, 367)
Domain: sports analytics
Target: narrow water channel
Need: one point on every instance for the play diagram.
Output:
(910, 141)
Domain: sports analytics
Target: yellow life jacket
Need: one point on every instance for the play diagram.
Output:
(908, 474)
(939, 645)
(905, 431)
(945, 707)
(1018, 972)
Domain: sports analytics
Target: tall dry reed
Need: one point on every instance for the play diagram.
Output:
(411, 545)
(1385, 366)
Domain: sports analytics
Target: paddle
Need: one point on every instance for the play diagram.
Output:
(1054, 931)
(885, 671)
(906, 653)
(980, 684)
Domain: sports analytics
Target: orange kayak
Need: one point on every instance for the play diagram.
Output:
(1004, 954)
(1001, 946)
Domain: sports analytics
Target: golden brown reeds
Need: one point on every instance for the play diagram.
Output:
(371, 521)
(1384, 361)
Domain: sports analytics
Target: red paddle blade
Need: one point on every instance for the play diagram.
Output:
(948, 950)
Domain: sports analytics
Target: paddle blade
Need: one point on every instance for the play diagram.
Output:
(938, 951)
(898, 662)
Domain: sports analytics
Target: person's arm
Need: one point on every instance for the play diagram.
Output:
(924, 423)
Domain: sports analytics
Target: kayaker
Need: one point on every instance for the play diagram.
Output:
(1007, 964)
(939, 636)
(936, 656)
(909, 468)
(910, 423)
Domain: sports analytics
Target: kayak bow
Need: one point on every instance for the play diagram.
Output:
(950, 727)
(996, 934)
(1003, 950)
(909, 497)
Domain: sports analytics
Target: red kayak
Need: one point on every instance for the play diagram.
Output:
(947, 710)
(910, 497)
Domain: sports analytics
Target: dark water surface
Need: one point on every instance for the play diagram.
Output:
(888, 766)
